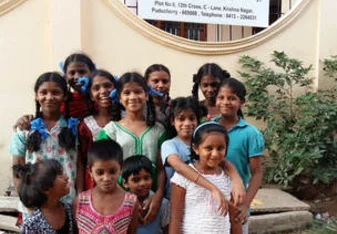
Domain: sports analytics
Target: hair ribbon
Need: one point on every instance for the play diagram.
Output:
(113, 96)
(38, 125)
(153, 92)
(85, 82)
(61, 65)
(72, 125)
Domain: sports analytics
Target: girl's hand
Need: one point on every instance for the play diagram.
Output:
(238, 192)
(223, 203)
(23, 123)
(240, 214)
(152, 206)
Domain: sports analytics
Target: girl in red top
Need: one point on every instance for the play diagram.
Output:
(101, 84)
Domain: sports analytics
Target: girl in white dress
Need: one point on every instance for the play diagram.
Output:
(193, 209)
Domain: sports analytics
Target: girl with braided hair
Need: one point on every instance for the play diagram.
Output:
(52, 134)
(159, 78)
(208, 80)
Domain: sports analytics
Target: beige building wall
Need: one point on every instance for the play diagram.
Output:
(37, 34)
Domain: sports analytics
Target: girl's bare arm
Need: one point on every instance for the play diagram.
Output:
(192, 175)
(177, 204)
(238, 191)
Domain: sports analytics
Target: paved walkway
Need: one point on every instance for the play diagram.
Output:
(272, 211)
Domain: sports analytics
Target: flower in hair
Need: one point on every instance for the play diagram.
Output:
(39, 126)
(113, 96)
(72, 125)
(85, 82)
(153, 92)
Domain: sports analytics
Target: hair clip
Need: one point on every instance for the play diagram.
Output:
(38, 125)
(203, 124)
(61, 65)
(85, 82)
(72, 125)
(153, 92)
(115, 77)
(113, 96)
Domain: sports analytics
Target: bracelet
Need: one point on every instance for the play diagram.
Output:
(196, 178)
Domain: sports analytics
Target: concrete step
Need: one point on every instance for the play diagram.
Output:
(276, 200)
(8, 204)
(8, 223)
(279, 222)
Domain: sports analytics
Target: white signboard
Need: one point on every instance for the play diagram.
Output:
(230, 12)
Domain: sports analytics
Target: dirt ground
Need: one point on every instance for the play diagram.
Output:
(324, 205)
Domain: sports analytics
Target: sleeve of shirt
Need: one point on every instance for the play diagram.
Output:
(161, 139)
(165, 213)
(255, 144)
(168, 148)
(179, 180)
(85, 138)
(17, 145)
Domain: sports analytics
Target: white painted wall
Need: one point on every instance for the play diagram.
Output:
(38, 34)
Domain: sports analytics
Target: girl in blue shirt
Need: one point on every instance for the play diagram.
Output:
(246, 142)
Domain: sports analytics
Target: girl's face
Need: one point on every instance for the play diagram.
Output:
(160, 81)
(185, 122)
(74, 71)
(105, 174)
(100, 89)
(228, 102)
(211, 150)
(50, 96)
(61, 186)
(209, 86)
(133, 97)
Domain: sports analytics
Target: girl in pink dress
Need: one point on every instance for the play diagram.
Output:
(106, 208)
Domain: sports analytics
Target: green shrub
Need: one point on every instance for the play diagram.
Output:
(301, 129)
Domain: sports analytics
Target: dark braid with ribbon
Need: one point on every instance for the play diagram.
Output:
(38, 133)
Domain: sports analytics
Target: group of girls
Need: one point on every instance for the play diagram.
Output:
(204, 170)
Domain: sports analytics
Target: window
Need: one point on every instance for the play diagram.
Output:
(209, 32)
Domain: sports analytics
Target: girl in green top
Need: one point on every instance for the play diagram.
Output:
(138, 134)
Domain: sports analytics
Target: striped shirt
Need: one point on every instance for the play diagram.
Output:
(89, 220)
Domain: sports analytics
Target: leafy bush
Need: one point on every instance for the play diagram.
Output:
(300, 135)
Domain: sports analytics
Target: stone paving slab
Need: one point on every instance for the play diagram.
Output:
(279, 222)
(8, 223)
(8, 204)
(276, 200)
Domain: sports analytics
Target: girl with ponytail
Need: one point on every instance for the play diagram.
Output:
(41, 185)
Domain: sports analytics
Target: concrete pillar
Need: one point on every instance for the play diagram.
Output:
(326, 35)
